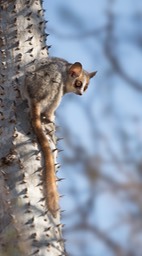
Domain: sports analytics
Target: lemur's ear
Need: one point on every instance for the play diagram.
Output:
(92, 74)
(75, 69)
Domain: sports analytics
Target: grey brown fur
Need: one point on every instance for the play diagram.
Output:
(50, 81)
(44, 89)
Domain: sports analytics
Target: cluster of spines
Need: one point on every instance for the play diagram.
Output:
(13, 41)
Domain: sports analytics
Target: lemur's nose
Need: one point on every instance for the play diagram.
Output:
(80, 93)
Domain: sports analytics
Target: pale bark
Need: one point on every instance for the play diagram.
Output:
(26, 226)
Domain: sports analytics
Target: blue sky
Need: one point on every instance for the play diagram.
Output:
(110, 101)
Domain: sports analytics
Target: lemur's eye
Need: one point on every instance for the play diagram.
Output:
(78, 84)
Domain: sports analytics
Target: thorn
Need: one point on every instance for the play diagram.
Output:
(44, 47)
(40, 23)
(12, 216)
(40, 175)
(54, 150)
(47, 229)
(21, 166)
(61, 196)
(38, 158)
(60, 179)
(28, 211)
(35, 240)
(23, 182)
(58, 139)
(62, 211)
(61, 240)
(15, 19)
(37, 3)
(3, 63)
(16, 44)
(5, 179)
(4, 173)
(30, 50)
(28, 204)
(24, 191)
(38, 170)
(27, 2)
(50, 132)
(32, 61)
(40, 184)
(13, 11)
(2, 51)
(58, 225)
(25, 196)
(35, 252)
(15, 31)
(39, 11)
(49, 46)
(29, 26)
(28, 14)
(29, 39)
(58, 166)
(17, 49)
(41, 189)
(45, 34)
(15, 135)
(16, 80)
(17, 72)
(60, 150)
(41, 200)
(32, 236)
(42, 214)
(30, 221)
(58, 126)
(19, 55)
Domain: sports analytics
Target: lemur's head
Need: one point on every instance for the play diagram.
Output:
(78, 79)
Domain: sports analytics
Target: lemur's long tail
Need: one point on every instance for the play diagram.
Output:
(51, 193)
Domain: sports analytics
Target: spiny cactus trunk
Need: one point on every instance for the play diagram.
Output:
(26, 226)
